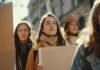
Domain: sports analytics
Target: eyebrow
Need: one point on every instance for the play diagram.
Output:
(49, 21)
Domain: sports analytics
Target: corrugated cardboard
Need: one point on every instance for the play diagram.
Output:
(56, 58)
(7, 49)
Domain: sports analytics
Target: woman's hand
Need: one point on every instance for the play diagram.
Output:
(40, 67)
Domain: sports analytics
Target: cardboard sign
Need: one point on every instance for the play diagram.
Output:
(7, 49)
(56, 58)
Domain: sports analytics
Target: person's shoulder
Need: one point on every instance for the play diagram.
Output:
(82, 48)
(31, 50)
(85, 51)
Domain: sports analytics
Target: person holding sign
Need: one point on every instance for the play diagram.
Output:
(49, 36)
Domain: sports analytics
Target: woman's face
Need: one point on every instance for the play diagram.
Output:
(23, 33)
(73, 28)
(50, 26)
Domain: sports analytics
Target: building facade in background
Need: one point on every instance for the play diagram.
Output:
(61, 8)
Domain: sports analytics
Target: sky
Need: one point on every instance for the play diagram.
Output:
(20, 10)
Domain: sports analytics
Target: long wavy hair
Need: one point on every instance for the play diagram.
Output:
(95, 23)
(89, 35)
(60, 41)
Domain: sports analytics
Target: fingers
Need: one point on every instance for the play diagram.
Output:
(40, 67)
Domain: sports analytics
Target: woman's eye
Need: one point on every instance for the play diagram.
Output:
(19, 30)
(47, 23)
(26, 30)
(54, 23)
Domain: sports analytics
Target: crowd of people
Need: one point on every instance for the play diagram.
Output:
(87, 56)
